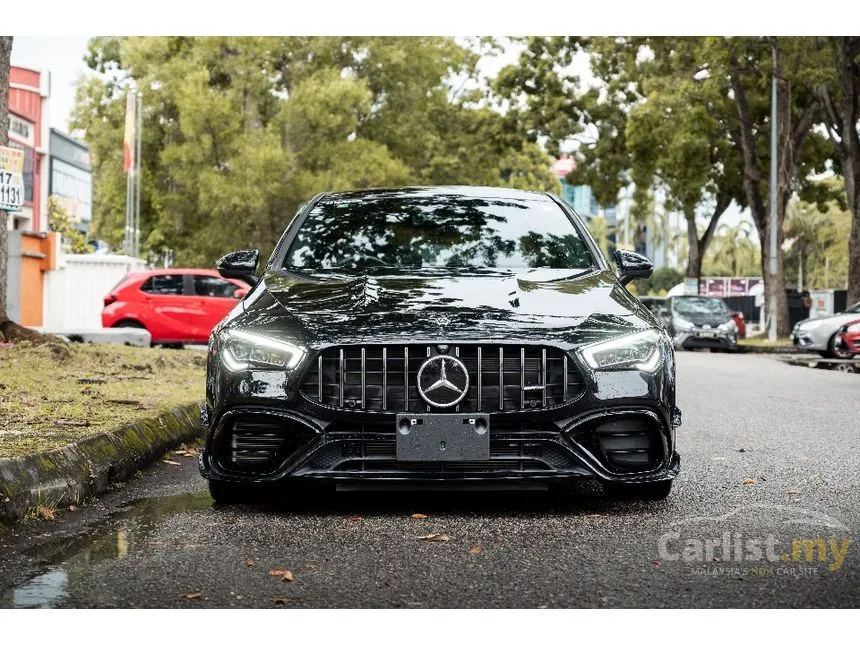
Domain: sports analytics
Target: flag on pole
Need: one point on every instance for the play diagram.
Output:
(128, 139)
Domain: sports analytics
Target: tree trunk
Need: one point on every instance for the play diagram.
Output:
(854, 251)
(694, 251)
(5, 55)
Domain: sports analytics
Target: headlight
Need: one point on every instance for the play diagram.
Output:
(729, 325)
(641, 351)
(243, 350)
(682, 324)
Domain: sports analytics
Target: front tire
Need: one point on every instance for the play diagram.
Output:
(649, 491)
(836, 352)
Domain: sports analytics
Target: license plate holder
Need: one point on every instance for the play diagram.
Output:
(443, 437)
(706, 334)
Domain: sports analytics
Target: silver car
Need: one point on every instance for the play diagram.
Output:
(819, 334)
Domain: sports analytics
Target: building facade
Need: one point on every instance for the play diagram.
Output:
(29, 91)
(70, 179)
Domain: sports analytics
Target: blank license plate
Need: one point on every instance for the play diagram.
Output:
(707, 334)
(443, 437)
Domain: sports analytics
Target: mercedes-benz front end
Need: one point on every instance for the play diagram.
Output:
(439, 335)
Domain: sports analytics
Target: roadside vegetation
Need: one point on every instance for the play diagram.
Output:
(48, 400)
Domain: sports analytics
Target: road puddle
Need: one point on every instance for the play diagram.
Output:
(119, 535)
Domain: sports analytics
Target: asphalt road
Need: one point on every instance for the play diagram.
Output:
(791, 433)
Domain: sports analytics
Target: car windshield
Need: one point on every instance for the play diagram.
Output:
(700, 306)
(419, 230)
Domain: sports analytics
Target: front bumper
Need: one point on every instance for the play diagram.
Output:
(521, 452)
(701, 338)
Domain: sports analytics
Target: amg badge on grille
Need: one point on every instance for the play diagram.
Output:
(443, 381)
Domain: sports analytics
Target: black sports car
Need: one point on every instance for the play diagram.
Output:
(445, 335)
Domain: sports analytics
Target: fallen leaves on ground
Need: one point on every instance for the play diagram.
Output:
(475, 550)
(418, 516)
(794, 492)
(250, 563)
(171, 462)
(595, 515)
(286, 574)
(45, 513)
(435, 537)
(283, 600)
(750, 482)
(193, 595)
(73, 508)
(354, 518)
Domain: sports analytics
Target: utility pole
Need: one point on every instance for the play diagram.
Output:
(772, 305)
(137, 174)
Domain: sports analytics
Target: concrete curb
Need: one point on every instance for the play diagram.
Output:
(87, 467)
(764, 349)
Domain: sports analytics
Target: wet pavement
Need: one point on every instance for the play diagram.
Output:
(764, 514)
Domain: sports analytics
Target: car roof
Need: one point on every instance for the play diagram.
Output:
(486, 192)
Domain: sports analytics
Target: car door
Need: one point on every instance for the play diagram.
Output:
(213, 298)
(165, 308)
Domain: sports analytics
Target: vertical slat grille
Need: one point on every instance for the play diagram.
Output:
(379, 378)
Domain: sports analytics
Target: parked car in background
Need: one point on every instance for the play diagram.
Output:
(740, 323)
(700, 322)
(848, 337)
(819, 334)
(174, 305)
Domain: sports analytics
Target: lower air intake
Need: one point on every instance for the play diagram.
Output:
(628, 444)
(258, 442)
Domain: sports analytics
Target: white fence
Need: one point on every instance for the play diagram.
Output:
(74, 293)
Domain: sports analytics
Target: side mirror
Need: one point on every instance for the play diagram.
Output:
(239, 264)
(632, 266)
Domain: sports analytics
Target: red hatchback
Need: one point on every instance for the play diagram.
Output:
(173, 305)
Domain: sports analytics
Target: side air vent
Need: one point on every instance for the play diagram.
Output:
(629, 444)
(257, 442)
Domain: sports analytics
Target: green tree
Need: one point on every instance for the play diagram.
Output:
(733, 252)
(664, 279)
(818, 245)
(60, 222)
(238, 132)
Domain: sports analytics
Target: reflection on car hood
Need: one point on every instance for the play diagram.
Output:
(400, 306)
(538, 292)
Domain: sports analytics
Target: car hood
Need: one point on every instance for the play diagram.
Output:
(566, 306)
(835, 320)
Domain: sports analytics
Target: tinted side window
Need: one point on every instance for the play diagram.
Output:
(163, 285)
(212, 287)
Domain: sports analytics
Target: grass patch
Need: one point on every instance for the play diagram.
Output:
(762, 341)
(48, 401)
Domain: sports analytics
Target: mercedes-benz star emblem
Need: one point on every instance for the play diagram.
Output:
(443, 381)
